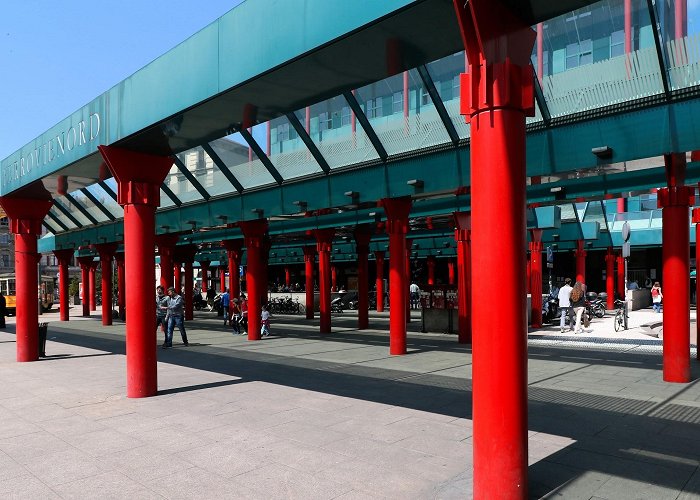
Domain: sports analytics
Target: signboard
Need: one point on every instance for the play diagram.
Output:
(626, 232)
(550, 265)
(626, 247)
(450, 299)
(550, 255)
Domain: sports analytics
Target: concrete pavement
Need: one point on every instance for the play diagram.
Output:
(299, 415)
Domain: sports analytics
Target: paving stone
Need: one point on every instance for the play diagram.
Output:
(107, 485)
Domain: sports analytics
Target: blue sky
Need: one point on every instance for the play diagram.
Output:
(57, 56)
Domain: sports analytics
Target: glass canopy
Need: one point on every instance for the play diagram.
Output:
(590, 60)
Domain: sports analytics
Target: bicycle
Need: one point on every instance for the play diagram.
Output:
(620, 321)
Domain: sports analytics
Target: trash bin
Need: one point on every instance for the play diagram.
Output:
(43, 327)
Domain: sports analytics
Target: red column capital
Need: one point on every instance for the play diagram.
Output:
(309, 253)
(138, 175)
(580, 249)
(379, 255)
(27, 213)
(324, 239)
(397, 210)
(233, 246)
(64, 255)
(675, 196)
(106, 250)
(254, 232)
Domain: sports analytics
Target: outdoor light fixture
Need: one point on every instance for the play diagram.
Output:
(301, 204)
(352, 194)
(602, 151)
(558, 192)
(222, 218)
(258, 211)
(192, 223)
(416, 183)
(165, 228)
(555, 237)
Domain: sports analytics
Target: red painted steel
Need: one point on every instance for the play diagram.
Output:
(540, 52)
(362, 239)
(536, 248)
(93, 286)
(610, 278)
(166, 248)
(324, 243)
(451, 272)
(379, 283)
(222, 279)
(85, 263)
(680, 19)
(620, 276)
(26, 209)
(628, 49)
(580, 254)
(106, 252)
(204, 266)
(287, 276)
(675, 200)
(121, 286)
(464, 314)
(64, 257)
(234, 252)
(185, 254)
(397, 210)
(254, 235)
(430, 264)
(496, 95)
(696, 221)
(309, 260)
(139, 177)
(528, 272)
(334, 279)
(177, 275)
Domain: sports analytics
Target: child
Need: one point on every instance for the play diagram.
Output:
(265, 323)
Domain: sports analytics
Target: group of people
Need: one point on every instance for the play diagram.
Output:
(170, 313)
(572, 303)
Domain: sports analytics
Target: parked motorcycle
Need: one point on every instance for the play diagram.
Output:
(597, 303)
(550, 308)
(337, 305)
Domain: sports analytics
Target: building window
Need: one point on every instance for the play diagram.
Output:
(397, 102)
(5, 260)
(579, 54)
(283, 132)
(324, 122)
(4, 238)
(425, 97)
(345, 116)
(617, 43)
(374, 109)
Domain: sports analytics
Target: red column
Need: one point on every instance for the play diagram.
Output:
(177, 274)
(205, 276)
(496, 95)
(696, 221)
(26, 209)
(540, 51)
(93, 286)
(580, 254)
(121, 286)
(324, 243)
(222, 278)
(334, 279)
(234, 251)
(464, 292)
(528, 272)
(85, 263)
(139, 177)
(309, 257)
(287, 277)
(620, 277)
(106, 251)
(362, 238)
(397, 210)
(64, 257)
(451, 272)
(166, 248)
(254, 235)
(185, 254)
(675, 200)
(430, 262)
(379, 284)
(609, 278)
(536, 248)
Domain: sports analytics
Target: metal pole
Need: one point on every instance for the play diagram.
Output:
(626, 315)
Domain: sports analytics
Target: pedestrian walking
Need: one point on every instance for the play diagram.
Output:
(161, 309)
(578, 302)
(244, 315)
(565, 305)
(176, 310)
(236, 316)
(264, 322)
(225, 304)
(656, 297)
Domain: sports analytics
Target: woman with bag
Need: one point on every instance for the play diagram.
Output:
(578, 302)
